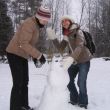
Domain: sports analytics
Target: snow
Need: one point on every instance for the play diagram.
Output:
(98, 85)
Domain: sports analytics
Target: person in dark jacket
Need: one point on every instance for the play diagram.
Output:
(73, 38)
(20, 48)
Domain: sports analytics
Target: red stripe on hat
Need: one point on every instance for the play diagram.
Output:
(44, 11)
(44, 14)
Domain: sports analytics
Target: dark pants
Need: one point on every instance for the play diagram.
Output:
(82, 71)
(19, 71)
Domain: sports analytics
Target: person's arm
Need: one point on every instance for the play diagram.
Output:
(25, 37)
(59, 45)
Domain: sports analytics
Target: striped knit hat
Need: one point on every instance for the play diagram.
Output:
(43, 13)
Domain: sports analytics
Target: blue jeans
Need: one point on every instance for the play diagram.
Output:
(82, 70)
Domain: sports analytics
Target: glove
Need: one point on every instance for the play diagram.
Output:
(67, 62)
(42, 59)
(51, 34)
(39, 62)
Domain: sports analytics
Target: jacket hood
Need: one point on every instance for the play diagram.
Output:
(67, 17)
(74, 25)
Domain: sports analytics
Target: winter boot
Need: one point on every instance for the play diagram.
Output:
(73, 103)
(26, 108)
(82, 106)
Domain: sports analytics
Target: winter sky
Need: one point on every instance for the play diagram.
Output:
(75, 7)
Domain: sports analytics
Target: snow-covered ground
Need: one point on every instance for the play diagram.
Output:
(98, 85)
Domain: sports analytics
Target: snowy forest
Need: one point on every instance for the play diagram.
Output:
(48, 82)
(94, 16)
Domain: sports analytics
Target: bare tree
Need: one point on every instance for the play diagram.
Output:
(99, 25)
(83, 4)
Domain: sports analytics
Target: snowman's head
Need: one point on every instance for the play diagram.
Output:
(62, 62)
(58, 77)
(56, 63)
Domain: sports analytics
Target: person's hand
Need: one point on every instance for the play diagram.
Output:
(67, 62)
(51, 34)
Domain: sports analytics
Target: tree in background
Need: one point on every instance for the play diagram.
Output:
(99, 25)
(21, 9)
(95, 17)
(6, 28)
(34, 4)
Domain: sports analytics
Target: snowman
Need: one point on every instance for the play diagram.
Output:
(56, 94)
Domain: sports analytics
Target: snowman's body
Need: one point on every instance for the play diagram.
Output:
(56, 92)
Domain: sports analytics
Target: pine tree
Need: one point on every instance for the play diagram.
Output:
(22, 9)
(6, 28)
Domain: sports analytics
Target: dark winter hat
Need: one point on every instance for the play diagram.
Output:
(43, 13)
